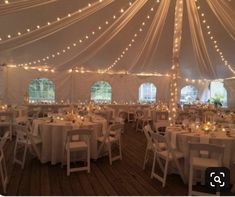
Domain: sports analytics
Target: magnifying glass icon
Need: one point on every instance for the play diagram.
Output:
(217, 179)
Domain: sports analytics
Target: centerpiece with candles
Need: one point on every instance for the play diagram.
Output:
(207, 127)
(70, 116)
(3, 107)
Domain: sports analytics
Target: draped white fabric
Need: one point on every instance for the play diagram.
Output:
(22, 5)
(225, 14)
(94, 47)
(152, 38)
(45, 31)
(199, 46)
(100, 50)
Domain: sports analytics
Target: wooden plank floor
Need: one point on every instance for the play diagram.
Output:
(124, 177)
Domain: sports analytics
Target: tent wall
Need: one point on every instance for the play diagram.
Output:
(2, 85)
(76, 86)
(230, 87)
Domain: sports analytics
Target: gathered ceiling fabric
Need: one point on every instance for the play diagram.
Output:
(22, 5)
(152, 38)
(94, 47)
(45, 31)
(152, 52)
(199, 45)
(225, 14)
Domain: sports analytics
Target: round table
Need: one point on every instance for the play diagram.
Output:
(179, 139)
(54, 135)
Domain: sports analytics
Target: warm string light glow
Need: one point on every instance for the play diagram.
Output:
(175, 67)
(214, 41)
(131, 43)
(11, 36)
(83, 70)
(75, 43)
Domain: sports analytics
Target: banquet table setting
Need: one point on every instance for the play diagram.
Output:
(53, 133)
(206, 133)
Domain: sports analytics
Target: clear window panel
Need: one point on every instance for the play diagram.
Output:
(41, 90)
(218, 94)
(188, 94)
(147, 93)
(101, 91)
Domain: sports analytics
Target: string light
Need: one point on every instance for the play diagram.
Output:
(99, 71)
(28, 30)
(215, 43)
(75, 43)
(129, 45)
(175, 67)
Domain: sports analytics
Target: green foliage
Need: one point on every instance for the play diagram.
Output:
(217, 99)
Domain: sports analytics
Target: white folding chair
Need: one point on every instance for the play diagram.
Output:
(168, 155)
(131, 115)
(112, 136)
(142, 119)
(118, 120)
(199, 162)
(77, 140)
(3, 169)
(161, 125)
(26, 140)
(6, 120)
(160, 116)
(150, 146)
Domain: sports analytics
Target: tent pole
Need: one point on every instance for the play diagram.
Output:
(175, 61)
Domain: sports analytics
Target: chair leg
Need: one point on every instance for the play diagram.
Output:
(160, 164)
(153, 167)
(180, 170)
(137, 125)
(15, 149)
(68, 162)
(110, 153)
(190, 185)
(120, 149)
(24, 156)
(165, 173)
(145, 158)
(88, 161)
(3, 174)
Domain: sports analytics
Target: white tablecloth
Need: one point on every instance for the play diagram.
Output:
(54, 134)
(181, 138)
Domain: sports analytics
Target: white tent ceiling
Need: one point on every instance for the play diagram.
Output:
(161, 61)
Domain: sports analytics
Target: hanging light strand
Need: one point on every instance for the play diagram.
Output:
(76, 43)
(33, 28)
(213, 40)
(132, 41)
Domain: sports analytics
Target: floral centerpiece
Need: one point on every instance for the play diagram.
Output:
(207, 127)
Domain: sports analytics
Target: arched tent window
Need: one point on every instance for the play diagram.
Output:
(218, 94)
(188, 94)
(147, 93)
(101, 91)
(41, 90)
